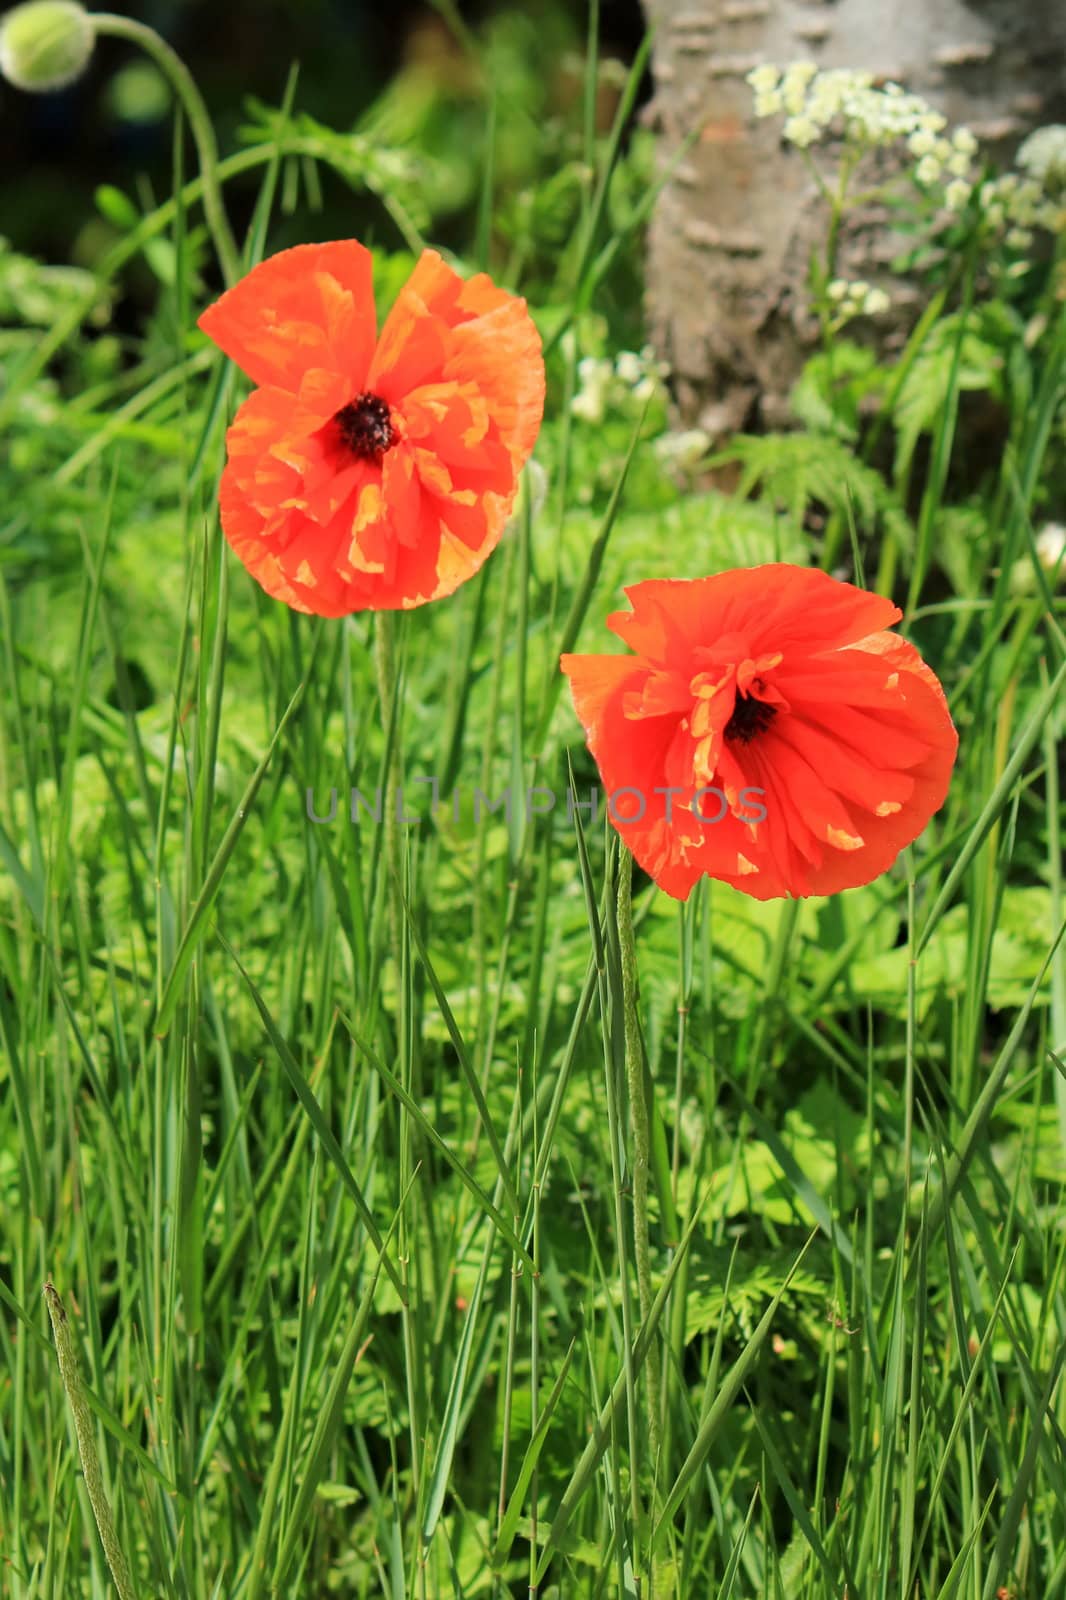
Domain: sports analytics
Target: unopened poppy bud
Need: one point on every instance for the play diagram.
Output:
(45, 44)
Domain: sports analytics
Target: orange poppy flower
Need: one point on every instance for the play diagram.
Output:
(366, 472)
(768, 732)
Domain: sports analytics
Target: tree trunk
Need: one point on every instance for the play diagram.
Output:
(733, 230)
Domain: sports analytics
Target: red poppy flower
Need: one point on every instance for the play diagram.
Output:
(767, 732)
(366, 472)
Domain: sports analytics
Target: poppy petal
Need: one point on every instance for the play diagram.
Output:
(777, 681)
(309, 306)
(364, 476)
(593, 680)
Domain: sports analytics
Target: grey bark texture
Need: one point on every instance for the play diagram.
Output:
(733, 230)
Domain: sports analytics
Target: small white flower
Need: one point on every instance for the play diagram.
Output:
(794, 85)
(1051, 546)
(763, 79)
(964, 142)
(683, 450)
(1051, 554)
(1019, 239)
(800, 131)
(928, 171)
(593, 370)
(645, 389)
(921, 143)
(876, 302)
(958, 165)
(629, 367)
(1043, 155)
(957, 194)
(769, 103)
(588, 404)
(839, 289)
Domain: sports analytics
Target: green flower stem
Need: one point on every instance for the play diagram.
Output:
(105, 22)
(773, 990)
(83, 1428)
(638, 1112)
(385, 666)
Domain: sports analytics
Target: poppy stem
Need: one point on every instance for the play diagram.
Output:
(638, 1113)
(184, 86)
(385, 666)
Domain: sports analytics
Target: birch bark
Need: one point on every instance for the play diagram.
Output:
(732, 234)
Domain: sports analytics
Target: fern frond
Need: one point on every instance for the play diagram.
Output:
(798, 471)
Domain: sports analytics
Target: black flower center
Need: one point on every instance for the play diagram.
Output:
(750, 716)
(366, 426)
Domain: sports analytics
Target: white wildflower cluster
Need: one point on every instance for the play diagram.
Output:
(845, 105)
(621, 385)
(1043, 158)
(840, 103)
(1018, 206)
(1012, 205)
(683, 452)
(855, 298)
(946, 162)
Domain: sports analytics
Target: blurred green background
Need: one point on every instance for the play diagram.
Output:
(412, 75)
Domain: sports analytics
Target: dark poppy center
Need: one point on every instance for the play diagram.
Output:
(750, 716)
(366, 426)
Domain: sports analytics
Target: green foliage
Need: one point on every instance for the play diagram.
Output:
(688, 538)
(801, 471)
(834, 388)
(963, 354)
(33, 295)
(344, 1240)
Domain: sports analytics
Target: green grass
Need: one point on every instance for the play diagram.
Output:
(333, 1172)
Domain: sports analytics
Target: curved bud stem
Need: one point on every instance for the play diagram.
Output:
(105, 22)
